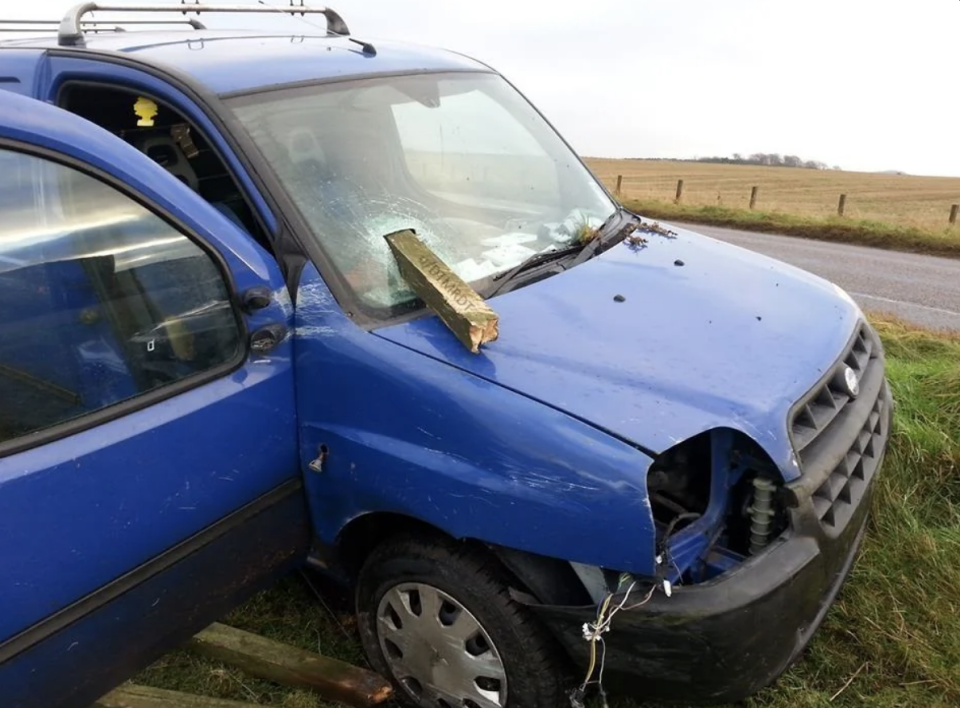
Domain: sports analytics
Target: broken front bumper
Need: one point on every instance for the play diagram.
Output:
(725, 639)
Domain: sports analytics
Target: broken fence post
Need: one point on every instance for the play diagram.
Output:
(953, 213)
(133, 696)
(679, 191)
(459, 306)
(842, 204)
(265, 658)
(753, 196)
(619, 184)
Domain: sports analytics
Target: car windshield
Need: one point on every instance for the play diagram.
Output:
(460, 158)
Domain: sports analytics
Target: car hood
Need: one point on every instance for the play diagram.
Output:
(655, 344)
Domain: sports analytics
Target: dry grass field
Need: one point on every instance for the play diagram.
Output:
(920, 202)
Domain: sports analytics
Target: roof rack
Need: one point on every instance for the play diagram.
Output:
(72, 26)
(94, 26)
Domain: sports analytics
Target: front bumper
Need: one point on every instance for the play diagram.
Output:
(727, 638)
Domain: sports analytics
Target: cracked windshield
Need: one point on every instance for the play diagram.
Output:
(461, 159)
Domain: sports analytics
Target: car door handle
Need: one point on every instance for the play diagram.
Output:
(263, 340)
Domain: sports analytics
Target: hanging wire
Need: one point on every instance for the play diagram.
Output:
(593, 632)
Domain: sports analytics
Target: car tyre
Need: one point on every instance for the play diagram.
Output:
(436, 617)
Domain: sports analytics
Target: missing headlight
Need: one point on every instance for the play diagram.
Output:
(715, 500)
(679, 483)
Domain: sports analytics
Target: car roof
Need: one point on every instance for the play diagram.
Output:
(231, 61)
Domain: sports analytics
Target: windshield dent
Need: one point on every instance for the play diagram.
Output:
(461, 159)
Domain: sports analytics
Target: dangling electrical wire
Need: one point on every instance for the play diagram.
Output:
(593, 633)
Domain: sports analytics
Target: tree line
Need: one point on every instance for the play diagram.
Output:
(769, 159)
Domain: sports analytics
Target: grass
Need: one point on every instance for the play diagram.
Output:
(893, 638)
(887, 211)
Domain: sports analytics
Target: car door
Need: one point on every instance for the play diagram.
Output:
(148, 443)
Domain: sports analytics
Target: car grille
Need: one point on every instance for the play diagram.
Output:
(841, 438)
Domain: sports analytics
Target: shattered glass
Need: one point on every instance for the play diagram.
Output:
(461, 159)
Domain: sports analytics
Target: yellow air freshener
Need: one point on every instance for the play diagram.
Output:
(146, 111)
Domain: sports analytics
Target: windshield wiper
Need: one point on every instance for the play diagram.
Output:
(502, 279)
(583, 252)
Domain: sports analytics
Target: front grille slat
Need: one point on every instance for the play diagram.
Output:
(824, 421)
(863, 442)
(822, 506)
(831, 489)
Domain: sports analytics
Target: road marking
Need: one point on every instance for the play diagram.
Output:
(906, 302)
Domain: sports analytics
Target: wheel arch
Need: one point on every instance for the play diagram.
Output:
(549, 581)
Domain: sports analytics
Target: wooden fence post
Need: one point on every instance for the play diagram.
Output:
(953, 213)
(753, 196)
(619, 184)
(679, 191)
(265, 658)
(842, 204)
(133, 696)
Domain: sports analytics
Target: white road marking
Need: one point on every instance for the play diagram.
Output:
(907, 303)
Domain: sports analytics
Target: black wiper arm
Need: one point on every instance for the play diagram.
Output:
(501, 279)
(583, 251)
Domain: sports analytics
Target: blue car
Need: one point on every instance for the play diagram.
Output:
(213, 372)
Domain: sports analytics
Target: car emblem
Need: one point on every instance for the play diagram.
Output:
(851, 381)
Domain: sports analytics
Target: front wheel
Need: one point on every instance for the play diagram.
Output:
(437, 619)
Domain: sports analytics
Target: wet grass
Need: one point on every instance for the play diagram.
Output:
(892, 640)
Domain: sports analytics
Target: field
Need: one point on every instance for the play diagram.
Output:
(892, 639)
(885, 211)
(922, 202)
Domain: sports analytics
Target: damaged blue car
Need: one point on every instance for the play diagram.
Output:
(212, 371)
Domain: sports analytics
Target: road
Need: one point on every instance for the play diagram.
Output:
(924, 290)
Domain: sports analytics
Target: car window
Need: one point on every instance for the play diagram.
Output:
(101, 300)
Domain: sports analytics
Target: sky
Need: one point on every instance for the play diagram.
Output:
(864, 84)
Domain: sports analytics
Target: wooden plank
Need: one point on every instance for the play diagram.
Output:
(133, 696)
(265, 658)
(458, 305)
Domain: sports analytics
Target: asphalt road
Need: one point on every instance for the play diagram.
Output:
(920, 289)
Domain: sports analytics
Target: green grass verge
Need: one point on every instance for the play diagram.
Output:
(864, 233)
(891, 640)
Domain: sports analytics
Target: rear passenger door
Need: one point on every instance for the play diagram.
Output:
(148, 446)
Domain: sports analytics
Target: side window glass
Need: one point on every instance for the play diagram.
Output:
(100, 299)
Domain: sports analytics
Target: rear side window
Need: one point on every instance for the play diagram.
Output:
(100, 299)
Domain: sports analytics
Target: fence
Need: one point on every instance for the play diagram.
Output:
(755, 198)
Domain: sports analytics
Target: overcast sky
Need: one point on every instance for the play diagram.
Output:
(864, 84)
